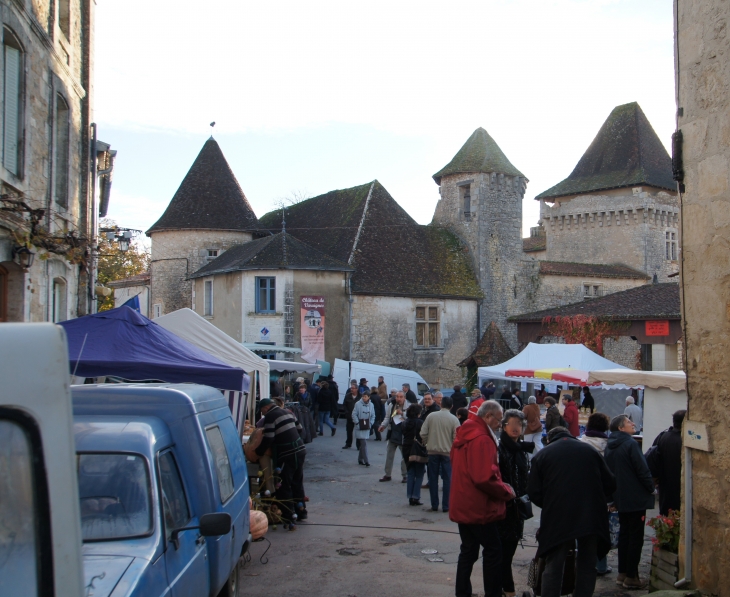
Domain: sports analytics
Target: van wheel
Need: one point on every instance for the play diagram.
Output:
(230, 589)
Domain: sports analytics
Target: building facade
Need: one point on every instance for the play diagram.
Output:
(45, 207)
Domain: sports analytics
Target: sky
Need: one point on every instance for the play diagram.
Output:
(308, 97)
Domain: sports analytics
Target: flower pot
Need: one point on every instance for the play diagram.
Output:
(664, 570)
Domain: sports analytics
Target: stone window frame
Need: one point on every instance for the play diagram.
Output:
(23, 43)
(465, 209)
(426, 321)
(271, 291)
(597, 289)
(61, 161)
(208, 297)
(59, 299)
(671, 244)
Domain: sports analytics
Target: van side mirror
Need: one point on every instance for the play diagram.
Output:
(211, 525)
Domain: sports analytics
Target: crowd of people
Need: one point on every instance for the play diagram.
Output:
(493, 462)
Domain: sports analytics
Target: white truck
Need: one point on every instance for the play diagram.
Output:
(394, 378)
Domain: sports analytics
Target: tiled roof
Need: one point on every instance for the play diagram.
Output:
(625, 153)
(480, 153)
(650, 301)
(393, 254)
(534, 243)
(138, 280)
(595, 270)
(277, 251)
(491, 350)
(209, 197)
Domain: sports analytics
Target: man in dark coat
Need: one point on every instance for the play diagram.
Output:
(351, 397)
(571, 483)
(665, 462)
(379, 413)
(429, 406)
(633, 497)
(411, 397)
(458, 400)
(505, 399)
(335, 392)
(487, 390)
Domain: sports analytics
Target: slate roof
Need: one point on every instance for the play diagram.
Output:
(480, 153)
(597, 270)
(491, 350)
(625, 153)
(393, 254)
(209, 197)
(650, 301)
(534, 243)
(277, 251)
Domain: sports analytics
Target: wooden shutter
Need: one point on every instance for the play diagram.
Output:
(11, 103)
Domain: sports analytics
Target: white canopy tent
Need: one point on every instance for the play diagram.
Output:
(292, 367)
(548, 356)
(190, 326)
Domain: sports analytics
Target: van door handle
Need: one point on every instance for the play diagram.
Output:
(200, 540)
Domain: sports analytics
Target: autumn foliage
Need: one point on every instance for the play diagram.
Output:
(582, 329)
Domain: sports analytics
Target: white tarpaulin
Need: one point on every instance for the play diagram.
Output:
(674, 380)
(549, 356)
(292, 367)
(190, 326)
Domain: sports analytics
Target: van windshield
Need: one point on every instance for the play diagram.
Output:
(114, 490)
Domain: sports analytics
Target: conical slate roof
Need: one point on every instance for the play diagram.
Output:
(480, 153)
(491, 350)
(625, 153)
(209, 197)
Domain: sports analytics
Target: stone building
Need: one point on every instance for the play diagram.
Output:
(207, 215)
(702, 164)
(46, 112)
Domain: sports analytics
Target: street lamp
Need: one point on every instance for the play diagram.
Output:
(23, 256)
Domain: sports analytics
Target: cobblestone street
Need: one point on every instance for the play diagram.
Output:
(362, 539)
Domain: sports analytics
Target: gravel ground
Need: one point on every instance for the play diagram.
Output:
(362, 539)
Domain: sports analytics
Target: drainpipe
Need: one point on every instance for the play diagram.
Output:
(93, 226)
(349, 305)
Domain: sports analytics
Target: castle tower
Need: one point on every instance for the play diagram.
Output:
(481, 202)
(208, 214)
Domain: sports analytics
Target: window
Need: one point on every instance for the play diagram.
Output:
(265, 295)
(114, 494)
(62, 151)
(174, 503)
(208, 298)
(58, 302)
(64, 17)
(592, 290)
(211, 254)
(156, 310)
(12, 101)
(466, 201)
(427, 326)
(671, 245)
(222, 465)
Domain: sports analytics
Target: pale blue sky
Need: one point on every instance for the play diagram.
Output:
(323, 95)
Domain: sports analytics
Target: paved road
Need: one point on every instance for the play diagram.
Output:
(362, 539)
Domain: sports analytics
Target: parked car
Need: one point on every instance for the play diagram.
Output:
(40, 534)
(163, 490)
(344, 371)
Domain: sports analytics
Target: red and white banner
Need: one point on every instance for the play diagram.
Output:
(312, 309)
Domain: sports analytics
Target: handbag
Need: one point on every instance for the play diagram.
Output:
(419, 453)
(613, 528)
(532, 573)
(524, 506)
(568, 574)
(363, 424)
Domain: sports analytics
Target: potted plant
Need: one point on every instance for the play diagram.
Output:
(664, 559)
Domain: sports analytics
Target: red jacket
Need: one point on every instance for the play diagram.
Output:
(478, 495)
(571, 418)
(474, 407)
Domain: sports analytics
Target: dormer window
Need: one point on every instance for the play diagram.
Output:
(211, 254)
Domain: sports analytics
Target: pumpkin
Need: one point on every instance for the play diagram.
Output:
(259, 524)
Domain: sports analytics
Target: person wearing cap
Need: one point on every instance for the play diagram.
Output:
(281, 434)
(364, 387)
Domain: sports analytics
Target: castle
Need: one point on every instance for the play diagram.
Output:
(422, 297)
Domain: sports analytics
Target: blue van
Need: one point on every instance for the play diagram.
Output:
(163, 490)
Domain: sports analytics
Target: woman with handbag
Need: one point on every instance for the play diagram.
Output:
(363, 416)
(415, 453)
(514, 467)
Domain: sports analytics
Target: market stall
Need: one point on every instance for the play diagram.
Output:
(122, 343)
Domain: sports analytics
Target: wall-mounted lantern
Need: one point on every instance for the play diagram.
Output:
(23, 256)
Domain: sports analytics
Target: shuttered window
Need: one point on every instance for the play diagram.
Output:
(427, 326)
(12, 62)
(62, 151)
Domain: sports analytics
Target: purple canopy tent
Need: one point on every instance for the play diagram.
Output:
(125, 344)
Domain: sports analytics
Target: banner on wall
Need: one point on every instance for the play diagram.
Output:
(312, 325)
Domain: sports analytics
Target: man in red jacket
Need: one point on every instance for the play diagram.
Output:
(478, 499)
(571, 415)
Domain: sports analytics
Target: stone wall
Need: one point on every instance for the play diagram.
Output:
(54, 64)
(626, 226)
(623, 351)
(493, 231)
(703, 78)
(176, 254)
(384, 333)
